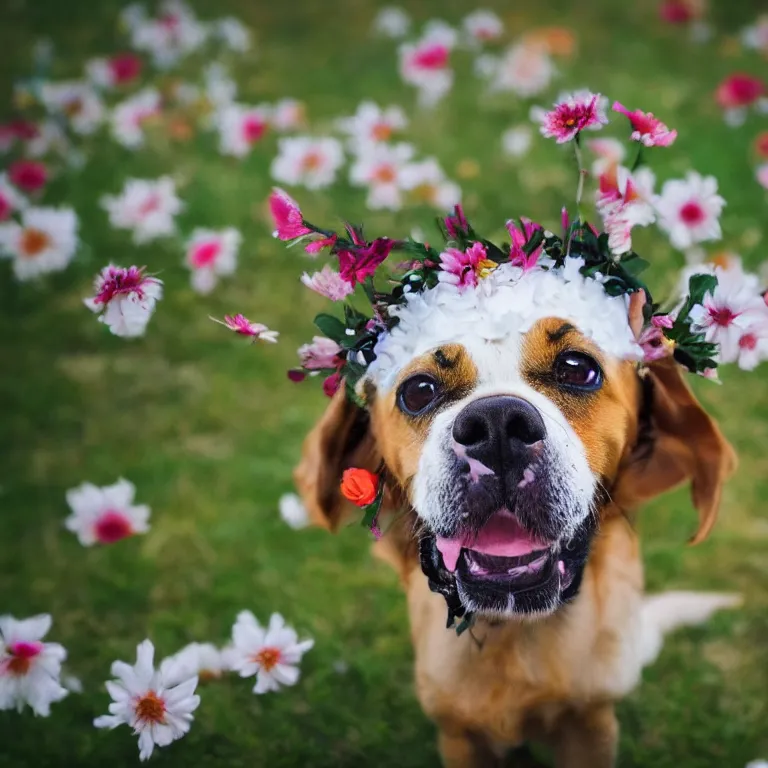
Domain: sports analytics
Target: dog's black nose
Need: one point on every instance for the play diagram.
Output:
(499, 431)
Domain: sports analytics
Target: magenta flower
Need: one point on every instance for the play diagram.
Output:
(287, 216)
(662, 321)
(654, 345)
(242, 325)
(328, 283)
(646, 128)
(517, 256)
(317, 245)
(575, 113)
(28, 175)
(331, 384)
(456, 223)
(739, 90)
(355, 266)
(321, 353)
(463, 268)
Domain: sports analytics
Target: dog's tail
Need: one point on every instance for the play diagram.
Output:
(668, 611)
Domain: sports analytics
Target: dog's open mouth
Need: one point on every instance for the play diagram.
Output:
(502, 552)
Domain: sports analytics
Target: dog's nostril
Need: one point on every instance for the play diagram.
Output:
(526, 426)
(470, 430)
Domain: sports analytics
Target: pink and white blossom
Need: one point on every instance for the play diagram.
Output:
(289, 115)
(286, 216)
(307, 161)
(379, 167)
(372, 124)
(646, 128)
(736, 93)
(321, 353)
(482, 27)
(157, 704)
(525, 69)
(146, 207)
(573, 113)
(11, 200)
(45, 240)
(391, 21)
(125, 299)
(464, 268)
(625, 200)
(105, 515)
(328, 283)
(211, 254)
(426, 182)
(77, 101)
(689, 210)
(241, 127)
(114, 71)
(425, 64)
(130, 116)
(610, 153)
(241, 325)
(272, 654)
(30, 669)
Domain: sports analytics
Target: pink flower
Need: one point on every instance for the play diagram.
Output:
(355, 266)
(125, 68)
(753, 345)
(761, 174)
(331, 384)
(646, 128)
(464, 268)
(676, 11)
(456, 223)
(242, 325)
(625, 201)
(654, 345)
(321, 353)
(287, 216)
(739, 90)
(328, 283)
(28, 175)
(573, 114)
(663, 321)
(317, 245)
(517, 255)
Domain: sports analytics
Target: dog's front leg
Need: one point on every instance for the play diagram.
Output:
(460, 748)
(587, 738)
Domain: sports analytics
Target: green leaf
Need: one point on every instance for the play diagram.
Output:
(635, 265)
(331, 327)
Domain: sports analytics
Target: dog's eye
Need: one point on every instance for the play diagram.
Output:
(575, 370)
(417, 394)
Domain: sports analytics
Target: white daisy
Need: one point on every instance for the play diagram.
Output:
(380, 168)
(391, 21)
(125, 298)
(482, 27)
(306, 161)
(105, 515)
(524, 69)
(756, 37)
(45, 241)
(202, 659)
(427, 183)
(293, 512)
(128, 117)
(516, 141)
(145, 207)
(29, 668)
(689, 210)
(50, 137)
(78, 101)
(240, 127)
(272, 654)
(10, 198)
(158, 705)
(211, 253)
(220, 88)
(288, 115)
(175, 33)
(371, 124)
(235, 35)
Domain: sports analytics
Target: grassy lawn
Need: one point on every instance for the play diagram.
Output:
(209, 428)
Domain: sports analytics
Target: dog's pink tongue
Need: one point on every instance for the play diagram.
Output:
(501, 536)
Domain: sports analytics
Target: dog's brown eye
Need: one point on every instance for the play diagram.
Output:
(417, 394)
(575, 370)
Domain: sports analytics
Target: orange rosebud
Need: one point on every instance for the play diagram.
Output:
(359, 486)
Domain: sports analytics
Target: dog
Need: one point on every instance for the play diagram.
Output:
(513, 469)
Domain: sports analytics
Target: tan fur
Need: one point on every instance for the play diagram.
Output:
(554, 679)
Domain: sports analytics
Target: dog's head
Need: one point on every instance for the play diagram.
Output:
(509, 435)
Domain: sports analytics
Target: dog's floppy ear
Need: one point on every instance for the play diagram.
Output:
(341, 439)
(678, 441)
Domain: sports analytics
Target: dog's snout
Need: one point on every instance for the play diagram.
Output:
(499, 430)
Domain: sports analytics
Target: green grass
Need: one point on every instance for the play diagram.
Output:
(208, 428)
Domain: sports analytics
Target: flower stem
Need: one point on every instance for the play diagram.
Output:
(582, 174)
(638, 158)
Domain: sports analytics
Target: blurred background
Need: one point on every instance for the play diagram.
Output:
(209, 427)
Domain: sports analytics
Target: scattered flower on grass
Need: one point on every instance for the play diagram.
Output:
(483, 27)
(272, 654)
(105, 515)
(115, 71)
(426, 64)
(293, 512)
(233, 33)
(211, 254)
(202, 659)
(44, 241)
(755, 36)
(77, 101)
(240, 324)
(28, 175)
(646, 128)
(146, 207)
(10, 199)
(241, 127)
(573, 113)
(689, 210)
(306, 161)
(427, 183)
(524, 69)
(516, 141)
(736, 93)
(761, 174)
(379, 167)
(289, 115)
(29, 668)
(328, 283)
(391, 21)
(610, 153)
(157, 704)
(372, 123)
(130, 116)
